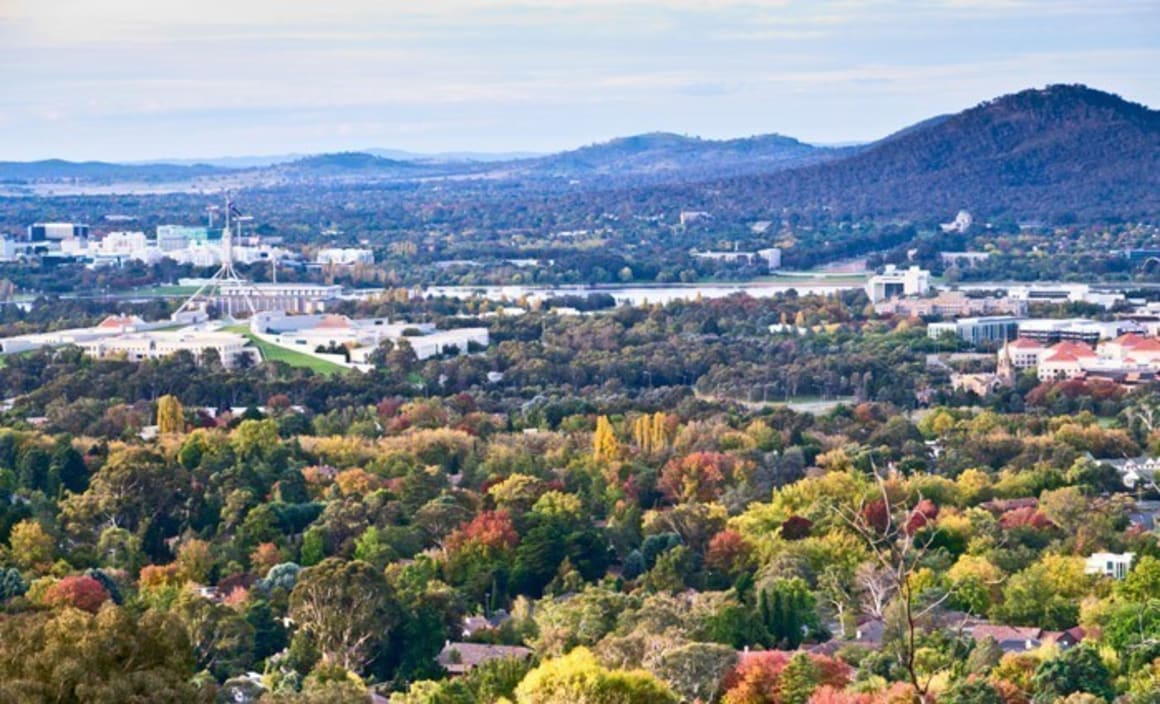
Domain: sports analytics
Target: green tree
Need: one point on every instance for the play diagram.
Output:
(1078, 669)
(799, 679)
(972, 690)
(789, 612)
(222, 640)
(345, 610)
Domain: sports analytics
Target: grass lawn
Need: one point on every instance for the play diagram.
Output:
(275, 353)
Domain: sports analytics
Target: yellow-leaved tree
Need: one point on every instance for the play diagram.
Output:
(605, 446)
(170, 415)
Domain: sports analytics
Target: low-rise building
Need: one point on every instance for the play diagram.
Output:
(344, 256)
(894, 282)
(977, 331)
(461, 658)
(1049, 330)
(231, 348)
(1109, 564)
(951, 304)
(770, 256)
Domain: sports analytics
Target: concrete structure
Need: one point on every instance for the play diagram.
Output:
(1075, 329)
(344, 256)
(963, 259)
(687, 217)
(951, 304)
(284, 297)
(43, 231)
(171, 238)
(361, 337)
(977, 331)
(1109, 564)
(960, 224)
(121, 245)
(894, 282)
(771, 257)
(1064, 293)
(111, 326)
(140, 346)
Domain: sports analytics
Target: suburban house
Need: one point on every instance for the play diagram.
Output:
(1020, 639)
(461, 658)
(1110, 564)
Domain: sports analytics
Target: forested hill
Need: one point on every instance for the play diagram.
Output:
(662, 153)
(1057, 153)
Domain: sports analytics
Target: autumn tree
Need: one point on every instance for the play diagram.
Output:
(605, 446)
(578, 677)
(170, 415)
(78, 591)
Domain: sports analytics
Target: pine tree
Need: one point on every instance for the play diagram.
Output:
(799, 679)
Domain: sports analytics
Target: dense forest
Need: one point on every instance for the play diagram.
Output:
(602, 524)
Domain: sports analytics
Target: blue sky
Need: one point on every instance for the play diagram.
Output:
(141, 79)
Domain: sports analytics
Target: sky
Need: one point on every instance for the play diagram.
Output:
(146, 79)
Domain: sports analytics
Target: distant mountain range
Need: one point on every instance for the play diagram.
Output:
(1061, 150)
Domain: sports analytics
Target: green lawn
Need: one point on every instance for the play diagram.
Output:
(275, 353)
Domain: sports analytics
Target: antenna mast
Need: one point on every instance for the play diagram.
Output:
(225, 283)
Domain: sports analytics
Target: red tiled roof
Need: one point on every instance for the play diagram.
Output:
(1076, 348)
(1026, 343)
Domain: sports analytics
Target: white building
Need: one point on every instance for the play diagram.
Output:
(344, 256)
(1110, 564)
(140, 346)
(894, 282)
(1059, 293)
(122, 245)
(770, 256)
(362, 336)
(174, 237)
(41, 231)
(991, 328)
(961, 223)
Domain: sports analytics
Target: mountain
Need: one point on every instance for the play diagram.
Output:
(50, 170)
(1063, 152)
(451, 157)
(665, 154)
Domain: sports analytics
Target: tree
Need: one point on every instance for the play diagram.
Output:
(170, 415)
(695, 477)
(1078, 669)
(222, 640)
(799, 679)
(74, 657)
(577, 678)
(31, 547)
(788, 610)
(12, 584)
(695, 671)
(77, 591)
(972, 690)
(605, 446)
(345, 609)
(898, 554)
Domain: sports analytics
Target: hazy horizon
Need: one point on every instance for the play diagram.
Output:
(129, 80)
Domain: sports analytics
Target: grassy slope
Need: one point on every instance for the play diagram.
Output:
(275, 353)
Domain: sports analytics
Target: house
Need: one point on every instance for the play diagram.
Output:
(1135, 469)
(473, 625)
(461, 658)
(1109, 564)
(1020, 639)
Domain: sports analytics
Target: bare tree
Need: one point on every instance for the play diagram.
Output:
(897, 551)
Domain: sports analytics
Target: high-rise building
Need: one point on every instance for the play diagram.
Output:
(43, 231)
